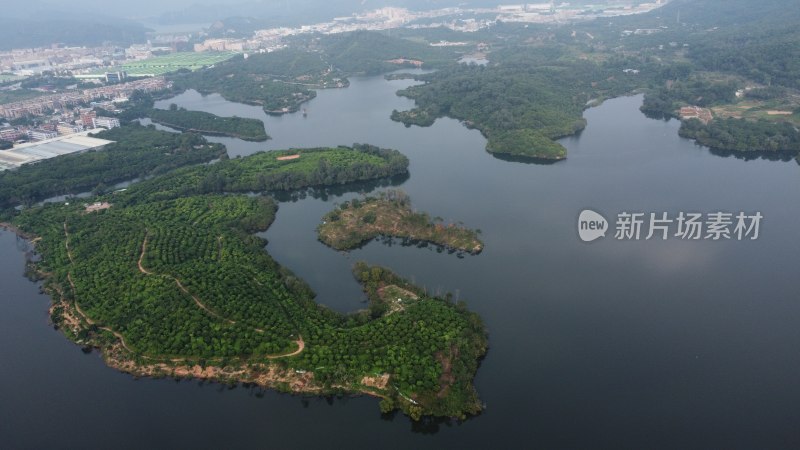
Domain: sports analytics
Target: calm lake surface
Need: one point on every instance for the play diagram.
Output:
(614, 344)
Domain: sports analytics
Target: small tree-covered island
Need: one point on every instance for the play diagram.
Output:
(390, 214)
(209, 124)
(142, 106)
(167, 279)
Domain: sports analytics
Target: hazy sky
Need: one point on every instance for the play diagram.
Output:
(214, 9)
(191, 11)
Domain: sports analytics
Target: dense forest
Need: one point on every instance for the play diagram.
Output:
(279, 171)
(763, 49)
(279, 81)
(728, 47)
(178, 278)
(142, 105)
(743, 135)
(725, 47)
(137, 152)
(770, 57)
(369, 53)
(690, 52)
(522, 101)
(665, 102)
(209, 124)
(540, 78)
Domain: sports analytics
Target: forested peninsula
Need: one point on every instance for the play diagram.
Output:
(743, 136)
(281, 81)
(209, 124)
(168, 279)
(535, 81)
(521, 102)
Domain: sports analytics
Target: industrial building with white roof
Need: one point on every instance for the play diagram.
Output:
(50, 148)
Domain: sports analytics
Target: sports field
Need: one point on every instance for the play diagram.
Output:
(160, 65)
(8, 77)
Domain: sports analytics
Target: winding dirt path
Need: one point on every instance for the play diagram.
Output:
(66, 244)
(141, 257)
(300, 343)
(181, 287)
(200, 304)
(75, 295)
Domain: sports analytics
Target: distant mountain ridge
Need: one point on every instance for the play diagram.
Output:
(41, 32)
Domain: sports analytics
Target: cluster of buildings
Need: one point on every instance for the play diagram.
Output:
(405, 61)
(40, 105)
(562, 12)
(272, 39)
(64, 59)
(79, 60)
(225, 45)
(458, 19)
(64, 124)
(30, 61)
(108, 77)
(695, 112)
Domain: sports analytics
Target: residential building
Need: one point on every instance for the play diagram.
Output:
(67, 128)
(87, 118)
(10, 134)
(40, 135)
(106, 122)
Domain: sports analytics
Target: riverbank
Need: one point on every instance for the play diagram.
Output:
(225, 311)
(13, 229)
(284, 372)
(67, 316)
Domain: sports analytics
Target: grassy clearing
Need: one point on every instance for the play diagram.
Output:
(774, 111)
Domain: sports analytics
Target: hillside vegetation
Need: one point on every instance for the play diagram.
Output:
(137, 152)
(167, 277)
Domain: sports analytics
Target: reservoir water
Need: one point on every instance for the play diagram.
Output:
(614, 344)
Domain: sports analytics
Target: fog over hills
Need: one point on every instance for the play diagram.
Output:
(195, 11)
(93, 22)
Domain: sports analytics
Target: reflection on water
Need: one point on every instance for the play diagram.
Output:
(752, 155)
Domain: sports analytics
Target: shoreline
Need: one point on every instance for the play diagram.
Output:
(391, 216)
(120, 357)
(117, 355)
(282, 369)
(13, 229)
(266, 372)
(210, 132)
